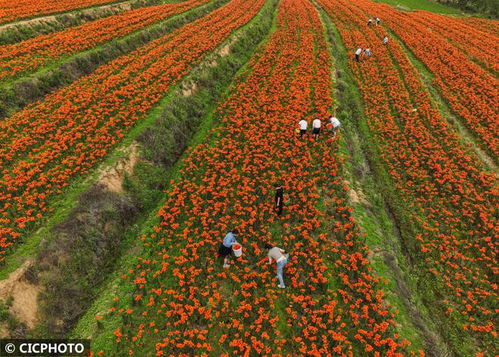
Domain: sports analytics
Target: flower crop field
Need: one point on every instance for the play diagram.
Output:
(15, 10)
(133, 142)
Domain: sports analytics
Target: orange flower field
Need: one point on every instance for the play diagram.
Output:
(485, 25)
(256, 135)
(478, 44)
(118, 187)
(18, 9)
(473, 94)
(424, 157)
(31, 54)
(48, 143)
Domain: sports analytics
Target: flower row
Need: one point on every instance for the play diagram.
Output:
(18, 9)
(471, 91)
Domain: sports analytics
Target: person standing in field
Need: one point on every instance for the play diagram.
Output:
(369, 22)
(378, 21)
(277, 254)
(303, 127)
(316, 128)
(357, 54)
(225, 248)
(385, 40)
(279, 199)
(367, 52)
(335, 124)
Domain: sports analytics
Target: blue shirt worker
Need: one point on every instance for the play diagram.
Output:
(225, 248)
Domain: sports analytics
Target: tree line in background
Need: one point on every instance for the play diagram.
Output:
(486, 7)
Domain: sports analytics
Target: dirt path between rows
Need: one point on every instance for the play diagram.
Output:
(434, 343)
(94, 11)
(22, 294)
(113, 177)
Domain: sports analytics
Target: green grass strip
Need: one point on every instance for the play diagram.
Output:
(427, 5)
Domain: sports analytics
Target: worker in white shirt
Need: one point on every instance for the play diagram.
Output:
(281, 260)
(378, 21)
(357, 54)
(316, 127)
(369, 22)
(367, 52)
(335, 124)
(385, 40)
(303, 127)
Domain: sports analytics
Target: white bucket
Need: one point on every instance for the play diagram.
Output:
(237, 249)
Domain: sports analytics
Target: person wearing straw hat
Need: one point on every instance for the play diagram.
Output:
(281, 259)
(225, 248)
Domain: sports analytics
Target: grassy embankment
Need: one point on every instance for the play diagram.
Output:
(427, 5)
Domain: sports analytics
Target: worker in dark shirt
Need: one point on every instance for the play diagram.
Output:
(279, 199)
